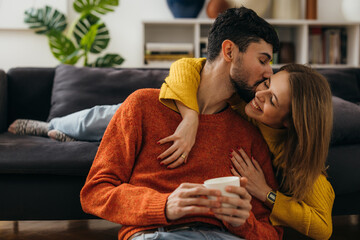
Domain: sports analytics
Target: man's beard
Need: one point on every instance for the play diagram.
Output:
(245, 91)
(239, 80)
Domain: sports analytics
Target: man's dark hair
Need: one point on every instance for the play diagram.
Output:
(241, 26)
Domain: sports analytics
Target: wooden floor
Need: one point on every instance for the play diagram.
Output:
(345, 227)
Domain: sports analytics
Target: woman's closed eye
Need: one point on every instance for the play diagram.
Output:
(267, 85)
(271, 101)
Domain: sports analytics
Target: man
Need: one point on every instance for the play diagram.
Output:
(126, 185)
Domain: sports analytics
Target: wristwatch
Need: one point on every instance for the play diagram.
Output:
(270, 199)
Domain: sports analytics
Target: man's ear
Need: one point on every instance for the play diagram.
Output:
(228, 50)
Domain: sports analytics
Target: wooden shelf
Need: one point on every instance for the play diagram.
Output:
(297, 31)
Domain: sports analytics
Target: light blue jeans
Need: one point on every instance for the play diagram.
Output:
(198, 233)
(87, 125)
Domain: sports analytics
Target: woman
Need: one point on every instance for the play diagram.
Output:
(293, 111)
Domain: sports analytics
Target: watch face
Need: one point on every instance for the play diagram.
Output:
(272, 196)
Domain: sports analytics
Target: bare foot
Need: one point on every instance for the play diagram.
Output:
(60, 136)
(29, 127)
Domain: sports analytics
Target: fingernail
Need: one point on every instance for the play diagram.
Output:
(230, 155)
(159, 158)
(169, 168)
(158, 143)
(162, 164)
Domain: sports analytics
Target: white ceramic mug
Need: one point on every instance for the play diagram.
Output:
(220, 184)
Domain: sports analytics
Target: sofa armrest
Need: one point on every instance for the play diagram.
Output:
(3, 101)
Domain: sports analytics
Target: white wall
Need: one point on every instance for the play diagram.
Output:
(23, 48)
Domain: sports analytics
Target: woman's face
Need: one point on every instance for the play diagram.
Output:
(272, 101)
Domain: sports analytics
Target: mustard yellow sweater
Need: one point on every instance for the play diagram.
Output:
(311, 217)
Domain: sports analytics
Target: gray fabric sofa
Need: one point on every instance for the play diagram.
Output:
(40, 179)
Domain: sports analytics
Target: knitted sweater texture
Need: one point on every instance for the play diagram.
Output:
(127, 185)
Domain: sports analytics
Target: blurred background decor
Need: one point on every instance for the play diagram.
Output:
(87, 35)
(287, 52)
(259, 6)
(286, 9)
(311, 9)
(215, 7)
(185, 8)
(351, 10)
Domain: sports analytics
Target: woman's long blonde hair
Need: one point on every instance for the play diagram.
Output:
(309, 131)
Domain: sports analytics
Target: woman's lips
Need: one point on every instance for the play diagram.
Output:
(255, 105)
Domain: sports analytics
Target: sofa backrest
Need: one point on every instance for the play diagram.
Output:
(344, 82)
(3, 101)
(77, 88)
(43, 93)
(29, 93)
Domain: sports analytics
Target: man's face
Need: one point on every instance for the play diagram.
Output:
(251, 68)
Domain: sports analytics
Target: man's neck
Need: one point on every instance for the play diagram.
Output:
(215, 87)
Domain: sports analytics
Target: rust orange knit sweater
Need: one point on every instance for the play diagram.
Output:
(127, 185)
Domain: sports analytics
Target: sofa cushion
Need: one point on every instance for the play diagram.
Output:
(344, 83)
(346, 128)
(39, 155)
(77, 88)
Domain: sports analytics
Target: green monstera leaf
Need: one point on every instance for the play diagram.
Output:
(45, 20)
(91, 34)
(88, 39)
(109, 60)
(102, 7)
(63, 48)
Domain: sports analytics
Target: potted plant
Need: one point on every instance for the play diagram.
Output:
(87, 34)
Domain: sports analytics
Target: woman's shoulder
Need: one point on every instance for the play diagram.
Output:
(182, 63)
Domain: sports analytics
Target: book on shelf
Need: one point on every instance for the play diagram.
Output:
(334, 46)
(315, 46)
(327, 45)
(156, 52)
(169, 47)
(343, 46)
(166, 57)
